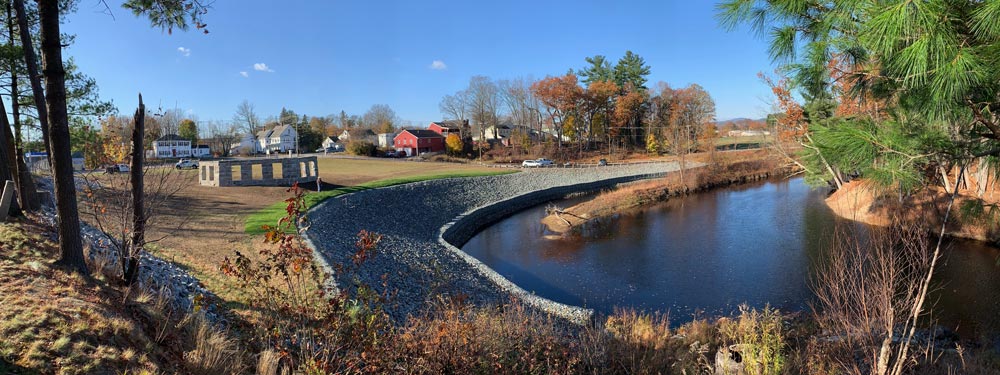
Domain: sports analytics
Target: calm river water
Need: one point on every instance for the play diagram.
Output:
(708, 253)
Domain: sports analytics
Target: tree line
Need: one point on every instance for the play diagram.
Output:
(598, 106)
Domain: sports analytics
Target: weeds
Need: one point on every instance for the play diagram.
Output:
(312, 329)
(758, 337)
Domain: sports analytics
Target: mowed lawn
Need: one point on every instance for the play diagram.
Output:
(200, 226)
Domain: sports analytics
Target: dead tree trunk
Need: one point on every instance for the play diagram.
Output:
(138, 240)
(70, 243)
(31, 61)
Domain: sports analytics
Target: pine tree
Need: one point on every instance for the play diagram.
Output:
(599, 70)
(631, 69)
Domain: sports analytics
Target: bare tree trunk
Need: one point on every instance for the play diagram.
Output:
(70, 244)
(25, 184)
(138, 209)
(32, 63)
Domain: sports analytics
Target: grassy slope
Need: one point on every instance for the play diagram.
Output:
(274, 212)
(55, 322)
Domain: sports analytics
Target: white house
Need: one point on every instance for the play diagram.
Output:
(385, 139)
(281, 138)
(329, 142)
(201, 151)
(172, 146)
(496, 132)
(247, 145)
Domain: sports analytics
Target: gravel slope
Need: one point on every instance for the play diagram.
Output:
(410, 218)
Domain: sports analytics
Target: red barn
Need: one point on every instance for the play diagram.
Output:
(449, 127)
(414, 142)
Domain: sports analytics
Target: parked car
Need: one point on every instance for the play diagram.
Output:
(602, 162)
(117, 168)
(391, 154)
(537, 163)
(186, 164)
(331, 149)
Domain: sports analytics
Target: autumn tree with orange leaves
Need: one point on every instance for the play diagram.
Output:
(597, 104)
(561, 96)
(628, 115)
(609, 105)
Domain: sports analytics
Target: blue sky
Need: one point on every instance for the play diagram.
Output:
(321, 57)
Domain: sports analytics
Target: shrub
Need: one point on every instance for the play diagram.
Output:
(454, 144)
(361, 148)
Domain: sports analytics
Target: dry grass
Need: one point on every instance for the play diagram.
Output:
(54, 322)
(215, 351)
(512, 340)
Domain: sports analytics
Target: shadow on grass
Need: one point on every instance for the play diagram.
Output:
(271, 214)
(9, 368)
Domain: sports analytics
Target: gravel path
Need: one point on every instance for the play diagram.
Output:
(417, 264)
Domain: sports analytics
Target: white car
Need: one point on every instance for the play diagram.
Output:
(117, 168)
(186, 164)
(537, 163)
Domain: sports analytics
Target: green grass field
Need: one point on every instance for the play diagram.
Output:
(271, 214)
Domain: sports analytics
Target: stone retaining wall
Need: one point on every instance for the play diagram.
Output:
(457, 232)
(293, 170)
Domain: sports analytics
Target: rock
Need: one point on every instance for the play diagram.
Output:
(729, 361)
(155, 273)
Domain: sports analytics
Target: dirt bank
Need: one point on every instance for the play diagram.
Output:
(860, 201)
(722, 169)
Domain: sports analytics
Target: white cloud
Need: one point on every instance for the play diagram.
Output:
(244, 74)
(262, 67)
(438, 65)
(184, 51)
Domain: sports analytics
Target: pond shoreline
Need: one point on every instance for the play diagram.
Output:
(635, 196)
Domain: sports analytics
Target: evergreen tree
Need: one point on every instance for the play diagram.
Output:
(288, 117)
(599, 70)
(632, 69)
